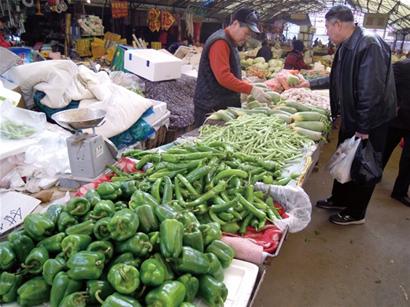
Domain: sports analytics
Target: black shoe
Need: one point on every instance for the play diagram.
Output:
(344, 219)
(405, 200)
(329, 204)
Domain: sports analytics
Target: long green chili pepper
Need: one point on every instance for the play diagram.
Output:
(167, 194)
(251, 208)
(220, 187)
(187, 185)
(155, 190)
(245, 224)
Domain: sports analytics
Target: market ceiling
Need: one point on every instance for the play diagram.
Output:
(399, 11)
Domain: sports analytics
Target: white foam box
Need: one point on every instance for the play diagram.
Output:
(152, 64)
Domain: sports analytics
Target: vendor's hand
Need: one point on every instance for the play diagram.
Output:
(303, 82)
(363, 136)
(260, 95)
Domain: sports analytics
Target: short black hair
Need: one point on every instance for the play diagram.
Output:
(340, 12)
(298, 45)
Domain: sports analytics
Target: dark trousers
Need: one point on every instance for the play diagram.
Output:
(394, 135)
(356, 196)
(200, 114)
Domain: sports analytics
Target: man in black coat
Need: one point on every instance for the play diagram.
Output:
(265, 51)
(400, 128)
(362, 92)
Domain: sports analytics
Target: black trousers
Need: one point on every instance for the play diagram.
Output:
(394, 135)
(356, 196)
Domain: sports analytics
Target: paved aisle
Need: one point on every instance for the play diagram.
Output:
(330, 265)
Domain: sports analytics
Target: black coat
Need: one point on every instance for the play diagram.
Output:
(265, 53)
(362, 88)
(402, 77)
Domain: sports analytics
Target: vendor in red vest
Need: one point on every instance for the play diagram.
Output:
(220, 83)
(3, 42)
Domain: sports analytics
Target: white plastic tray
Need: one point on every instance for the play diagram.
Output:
(240, 279)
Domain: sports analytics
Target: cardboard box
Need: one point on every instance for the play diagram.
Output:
(152, 64)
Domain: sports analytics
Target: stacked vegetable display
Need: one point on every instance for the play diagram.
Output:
(116, 246)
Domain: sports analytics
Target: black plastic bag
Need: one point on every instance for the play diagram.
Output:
(367, 164)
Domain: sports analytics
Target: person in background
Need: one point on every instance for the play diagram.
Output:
(330, 49)
(400, 129)
(3, 42)
(294, 59)
(219, 82)
(265, 51)
(363, 92)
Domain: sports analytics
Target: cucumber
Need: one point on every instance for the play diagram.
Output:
(298, 106)
(287, 119)
(286, 109)
(313, 135)
(308, 116)
(260, 84)
(281, 112)
(253, 104)
(311, 125)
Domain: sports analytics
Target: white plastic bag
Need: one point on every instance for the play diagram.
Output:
(341, 162)
(296, 203)
(17, 123)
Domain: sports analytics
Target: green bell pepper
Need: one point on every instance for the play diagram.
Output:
(192, 261)
(78, 206)
(93, 197)
(119, 300)
(141, 198)
(62, 286)
(7, 281)
(84, 228)
(21, 244)
(53, 244)
(75, 299)
(171, 235)
(124, 278)
(33, 292)
(164, 212)
(7, 255)
(223, 251)
(100, 230)
(103, 208)
(232, 227)
(72, 244)
(191, 284)
(127, 258)
(35, 260)
(104, 247)
(128, 188)
(139, 245)
(65, 220)
(169, 273)
(109, 190)
(154, 240)
(193, 238)
(188, 219)
(213, 292)
(187, 304)
(119, 205)
(123, 225)
(210, 232)
(98, 290)
(38, 226)
(11, 290)
(85, 265)
(170, 293)
(147, 219)
(152, 272)
(53, 212)
(51, 268)
(215, 267)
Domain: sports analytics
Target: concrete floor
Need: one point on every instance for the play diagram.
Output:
(331, 265)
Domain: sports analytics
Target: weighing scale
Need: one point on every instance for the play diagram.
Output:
(88, 153)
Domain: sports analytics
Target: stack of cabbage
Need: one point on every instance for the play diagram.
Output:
(260, 68)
